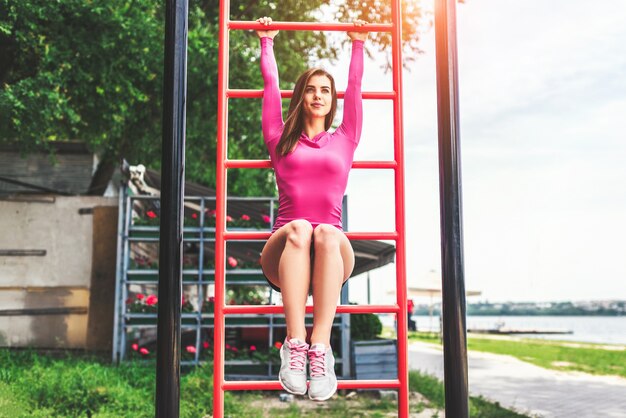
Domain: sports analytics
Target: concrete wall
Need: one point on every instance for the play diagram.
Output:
(46, 268)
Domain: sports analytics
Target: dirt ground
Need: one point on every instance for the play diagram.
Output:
(358, 403)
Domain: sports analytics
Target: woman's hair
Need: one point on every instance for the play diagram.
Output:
(295, 115)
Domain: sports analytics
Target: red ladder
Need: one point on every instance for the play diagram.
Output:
(221, 235)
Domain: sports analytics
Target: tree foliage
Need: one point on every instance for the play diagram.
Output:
(91, 70)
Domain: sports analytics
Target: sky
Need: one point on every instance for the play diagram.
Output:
(543, 145)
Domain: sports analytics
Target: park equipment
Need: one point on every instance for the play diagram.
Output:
(168, 356)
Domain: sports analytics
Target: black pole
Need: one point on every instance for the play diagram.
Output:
(454, 334)
(172, 192)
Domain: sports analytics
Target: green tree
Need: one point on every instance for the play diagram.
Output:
(92, 70)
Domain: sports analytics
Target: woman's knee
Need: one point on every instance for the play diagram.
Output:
(299, 233)
(326, 237)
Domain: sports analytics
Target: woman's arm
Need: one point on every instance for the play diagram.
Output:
(352, 102)
(272, 114)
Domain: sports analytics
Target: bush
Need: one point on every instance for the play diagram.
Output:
(365, 327)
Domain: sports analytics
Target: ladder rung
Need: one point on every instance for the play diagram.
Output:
(268, 164)
(364, 236)
(339, 27)
(285, 94)
(278, 309)
(341, 384)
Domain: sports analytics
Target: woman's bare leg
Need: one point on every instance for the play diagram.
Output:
(286, 262)
(333, 264)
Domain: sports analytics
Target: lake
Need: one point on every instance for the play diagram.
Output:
(593, 329)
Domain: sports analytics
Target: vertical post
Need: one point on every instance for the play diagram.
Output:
(454, 333)
(220, 212)
(401, 289)
(171, 237)
(345, 300)
(117, 309)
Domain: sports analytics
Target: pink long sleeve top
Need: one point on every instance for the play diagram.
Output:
(313, 178)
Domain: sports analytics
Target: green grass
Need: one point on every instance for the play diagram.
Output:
(71, 385)
(557, 355)
(33, 385)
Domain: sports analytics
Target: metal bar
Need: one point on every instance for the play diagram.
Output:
(22, 253)
(286, 94)
(200, 276)
(172, 192)
(65, 310)
(119, 272)
(401, 286)
(220, 210)
(262, 236)
(269, 309)
(453, 286)
(345, 300)
(341, 384)
(268, 164)
(314, 26)
(125, 260)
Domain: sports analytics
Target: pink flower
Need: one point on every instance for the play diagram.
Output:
(150, 214)
(194, 215)
(234, 349)
(205, 344)
(144, 351)
(227, 346)
(211, 298)
(266, 219)
(140, 296)
(191, 349)
(151, 300)
(253, 348)
(135, 346)
(278, 344)
(245, 217)
(232, 261)
(229, 218)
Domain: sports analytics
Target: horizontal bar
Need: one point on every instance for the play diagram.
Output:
(375, 164)
(286, 94)
(278, 309)
(341, 384)
(337, 27)
(364, 236)
(268, 164)
(66, 310)
(23, 253)
(211, 198)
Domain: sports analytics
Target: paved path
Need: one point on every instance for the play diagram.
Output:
(530, 389)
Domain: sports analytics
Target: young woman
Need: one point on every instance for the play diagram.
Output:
(308, 248)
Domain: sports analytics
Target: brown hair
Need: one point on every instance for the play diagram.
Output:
(295, 115)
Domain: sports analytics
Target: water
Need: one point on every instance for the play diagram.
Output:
(592, 329)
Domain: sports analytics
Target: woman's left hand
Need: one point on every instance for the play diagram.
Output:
(360, 36)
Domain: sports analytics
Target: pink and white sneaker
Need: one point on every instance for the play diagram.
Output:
(323, 382)
(292, 374)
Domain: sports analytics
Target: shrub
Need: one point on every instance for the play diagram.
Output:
(365, 327)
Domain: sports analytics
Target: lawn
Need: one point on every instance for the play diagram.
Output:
(559, 355)
(72, 385)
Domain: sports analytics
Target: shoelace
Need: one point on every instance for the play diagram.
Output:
(317, 360)
(297, 355)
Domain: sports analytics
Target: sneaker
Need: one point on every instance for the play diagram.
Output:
(292, 375)
(322, 371)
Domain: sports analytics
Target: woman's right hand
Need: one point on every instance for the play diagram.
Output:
(267, 21)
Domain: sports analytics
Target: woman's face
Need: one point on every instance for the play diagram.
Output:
(317, 97)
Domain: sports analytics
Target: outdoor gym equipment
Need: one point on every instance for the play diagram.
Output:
(171, 239)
